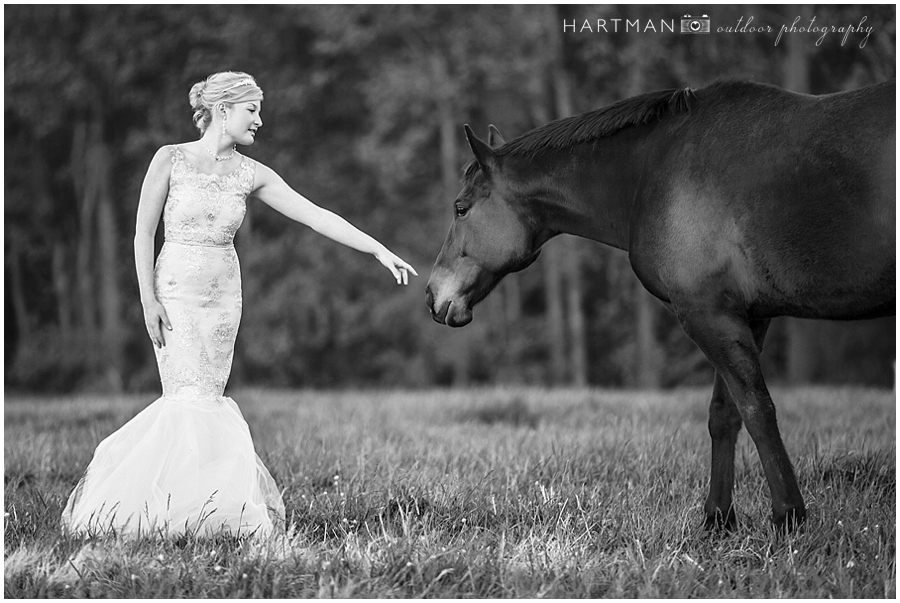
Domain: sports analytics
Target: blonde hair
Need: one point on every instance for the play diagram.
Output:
(224, 87)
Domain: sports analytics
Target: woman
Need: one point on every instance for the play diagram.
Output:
(186, 463)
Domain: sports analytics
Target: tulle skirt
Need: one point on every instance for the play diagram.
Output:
(185, 464)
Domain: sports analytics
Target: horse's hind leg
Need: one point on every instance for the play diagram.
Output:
(724, 426)
(731, 345)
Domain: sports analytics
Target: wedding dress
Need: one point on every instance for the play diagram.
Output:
(186, 463)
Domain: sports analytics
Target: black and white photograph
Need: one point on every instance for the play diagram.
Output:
(471, 301)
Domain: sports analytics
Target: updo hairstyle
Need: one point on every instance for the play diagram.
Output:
(228, 87)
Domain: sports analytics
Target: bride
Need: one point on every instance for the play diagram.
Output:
(186, 463)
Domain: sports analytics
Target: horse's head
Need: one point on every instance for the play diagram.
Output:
(490, 237)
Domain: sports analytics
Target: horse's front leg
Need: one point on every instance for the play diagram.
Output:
(724, 426)
(733, 346)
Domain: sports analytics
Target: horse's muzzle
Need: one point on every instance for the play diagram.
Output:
(438, 314)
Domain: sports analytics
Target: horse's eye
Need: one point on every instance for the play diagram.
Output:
(461, 210)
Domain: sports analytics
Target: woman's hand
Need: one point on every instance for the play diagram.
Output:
(398, 267)
(154, 318)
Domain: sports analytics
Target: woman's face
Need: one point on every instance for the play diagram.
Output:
(243, 121)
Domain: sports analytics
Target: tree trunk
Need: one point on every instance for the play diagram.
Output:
(62, 287)
(796, 64)
(457, 340)
(20, 306)
(52, 238)
(87, 300)
(511, 371)
(578, 339)
(554, 259)
(647, 352)
(98, 196)
(571, 266)
(110, 294)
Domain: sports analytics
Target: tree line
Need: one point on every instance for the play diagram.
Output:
(363, 113)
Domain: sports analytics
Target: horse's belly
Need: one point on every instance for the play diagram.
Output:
(828, 298)
(835, 259)
(711, 263)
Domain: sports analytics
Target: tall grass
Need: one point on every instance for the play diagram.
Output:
(481, 493)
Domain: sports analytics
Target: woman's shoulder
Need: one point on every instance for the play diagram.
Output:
(264, 175)
(190, 149)
(167, 157)
(164, 157)
(168, 152)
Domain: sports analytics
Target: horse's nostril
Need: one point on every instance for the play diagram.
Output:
(440, 314)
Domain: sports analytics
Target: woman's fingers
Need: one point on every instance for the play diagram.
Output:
(154, 327)
(398, 267)
(154, 333)
(165, 318)
(401, 273)
(404, 269)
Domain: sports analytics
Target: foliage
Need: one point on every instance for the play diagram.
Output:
(357, 106)
(481, 493)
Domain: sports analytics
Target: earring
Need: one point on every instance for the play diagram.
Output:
(224, 121)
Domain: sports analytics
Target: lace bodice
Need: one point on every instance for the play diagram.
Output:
(206, 209)
(197, 277)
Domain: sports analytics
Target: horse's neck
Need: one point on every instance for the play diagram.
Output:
(596, 189)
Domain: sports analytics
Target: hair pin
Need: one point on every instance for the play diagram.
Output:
(244, 82)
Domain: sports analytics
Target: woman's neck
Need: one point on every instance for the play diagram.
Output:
(217, 146)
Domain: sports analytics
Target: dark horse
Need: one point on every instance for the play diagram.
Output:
(736, 203)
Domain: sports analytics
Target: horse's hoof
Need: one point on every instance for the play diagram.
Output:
(717, 521)
(789, 520)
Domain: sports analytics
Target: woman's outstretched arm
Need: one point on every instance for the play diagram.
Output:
(275, 192)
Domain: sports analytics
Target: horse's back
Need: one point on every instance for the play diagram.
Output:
(791, 196)
(862, 124)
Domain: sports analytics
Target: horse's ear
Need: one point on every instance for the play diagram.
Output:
(495, 138)
(483, 153)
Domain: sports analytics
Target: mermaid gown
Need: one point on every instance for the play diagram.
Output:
(186, 463)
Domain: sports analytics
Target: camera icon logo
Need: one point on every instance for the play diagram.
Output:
(695, 25)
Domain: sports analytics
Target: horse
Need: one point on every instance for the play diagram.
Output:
(736, 203)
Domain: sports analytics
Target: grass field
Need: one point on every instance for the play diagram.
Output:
(482, 493)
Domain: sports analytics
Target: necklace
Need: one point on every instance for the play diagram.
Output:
(220, 157)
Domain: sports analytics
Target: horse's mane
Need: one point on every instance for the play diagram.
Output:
(569, 131)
